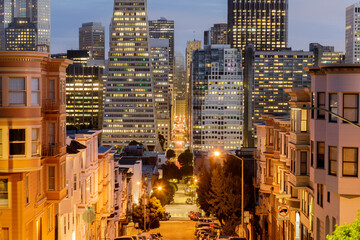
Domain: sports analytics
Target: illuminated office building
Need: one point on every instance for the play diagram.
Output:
(160, 65)
(20, 35)
(217, 98)
(92, 38)
(261, 22)
(218, 34)
(38, 12)
(352, 34)
(325, 54)
(266, 75)
(129, 105)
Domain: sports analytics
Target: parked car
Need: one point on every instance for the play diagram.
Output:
(156, 236)
(204, 220)
(166, 217)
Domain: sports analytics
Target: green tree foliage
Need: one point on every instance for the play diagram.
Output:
(171, 171)
(154, 212)
(162, 141)
(186, 171)
(347, 231)
(219, 193)
(170, 154)
(167, 192)
(186, 158)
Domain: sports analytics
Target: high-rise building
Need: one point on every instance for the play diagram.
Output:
(160, 73)
(218, 34)
(217, 98)
(164, 29)
(352, 34)
(20, 35)
(267, 73)
(32, 144)
(38, 11)
(129, 105)
(325, 54)
(84, 92)
(263, 23)
(92, 38)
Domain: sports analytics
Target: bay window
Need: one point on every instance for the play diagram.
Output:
(17, 93)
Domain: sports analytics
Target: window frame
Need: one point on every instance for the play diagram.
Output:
(304, 122)
(17, 142)
(332, 118)
(317, 155)
(355, 162)
(35, 91)
(17, 91)
(357, 107)
(332, 173)
(8, 192)
(320, 105)
(51, 178)
(36, 142)
(302, 163)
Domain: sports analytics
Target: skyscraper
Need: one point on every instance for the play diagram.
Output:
(325, 54)
(20, 35)
(264, 23)
(92, 38)
(352, 34)
(164, 29)
(217, 98)
(218, 34)
(129, 105)
(38, 11)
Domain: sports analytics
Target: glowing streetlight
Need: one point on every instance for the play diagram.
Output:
(138, 182)
(217, 153)
(159, 188)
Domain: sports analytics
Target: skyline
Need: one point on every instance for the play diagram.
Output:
(324, 29)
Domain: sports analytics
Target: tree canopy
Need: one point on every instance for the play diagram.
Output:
(170, 154)
(154, 212)
(347, 231)
(167, 192)
(171, 171)
(186, 158)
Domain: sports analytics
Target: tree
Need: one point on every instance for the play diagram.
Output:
(347, 231)
(203, 190)
(154, 212)
(167, 192)
(186, 158)
(171, 171)
(162, 141)
(186, 171)
(170, 154)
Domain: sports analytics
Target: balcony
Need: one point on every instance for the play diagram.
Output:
(299, 180)
(51, 149)
(294, 203)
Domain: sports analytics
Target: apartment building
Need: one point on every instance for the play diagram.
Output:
(32, 144)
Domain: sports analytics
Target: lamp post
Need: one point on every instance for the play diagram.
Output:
(217, 154)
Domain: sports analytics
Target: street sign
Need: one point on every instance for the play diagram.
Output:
(283, 213)
(212, 225)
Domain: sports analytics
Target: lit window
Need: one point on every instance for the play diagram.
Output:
(350, 162)
(332, 160)
(4, 192)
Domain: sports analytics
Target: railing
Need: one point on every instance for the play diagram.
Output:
(51, 149)
(50, 104)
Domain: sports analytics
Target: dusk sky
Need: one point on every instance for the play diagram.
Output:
(320, 21)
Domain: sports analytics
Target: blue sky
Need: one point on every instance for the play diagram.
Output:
(320, 21)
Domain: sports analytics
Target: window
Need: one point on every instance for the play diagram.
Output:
(350, 162)
(39, 186)
(333, 105)
(327, 225)
(17, 91)
(5, 233)
(75, 182)
(51, 91)
(63, 176)
(51, 133)
(312, 153)
(35, 141)
(320, 194)
(333, 224)
(328, 197)
(320, 155)
(303, 163)
(304, 122)
(332, 160)
(17, 141)
(4, 192)
(27, 190)
(51, 175)
(321, 104)
(51, 217)
(35, 91)
(351, 107)
(1, 147)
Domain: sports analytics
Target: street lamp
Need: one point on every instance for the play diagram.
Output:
(217, 153)
(159, 188)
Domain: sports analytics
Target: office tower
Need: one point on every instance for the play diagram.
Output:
(129, 106)
(217, 98)
(160, 65)
(218, 34)
(267, 73)
(325, 54)
(32, 144)
(84, 92)
(179, 76)
(38, 11)
(92, 38)
(164, 29)
(263, 23)
(352, 48)
(20, 35)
